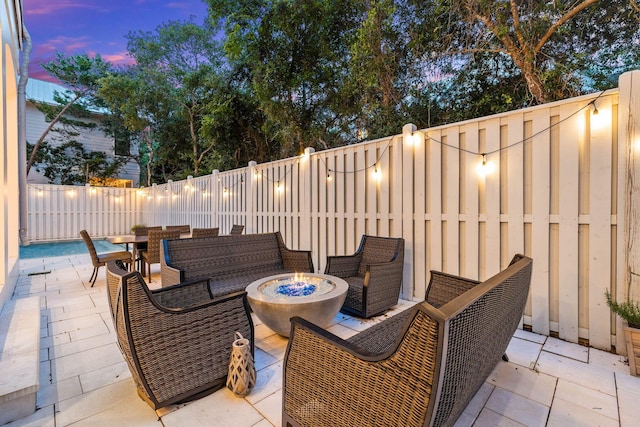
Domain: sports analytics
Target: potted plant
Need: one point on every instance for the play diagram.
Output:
(136, 226)
(629, 311)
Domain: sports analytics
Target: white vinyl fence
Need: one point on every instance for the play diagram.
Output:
(559, 185)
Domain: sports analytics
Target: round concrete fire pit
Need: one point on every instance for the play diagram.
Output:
(314, 297)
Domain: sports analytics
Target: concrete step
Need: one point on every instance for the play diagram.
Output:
(19, 358)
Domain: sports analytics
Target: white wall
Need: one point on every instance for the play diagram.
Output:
(10, 25)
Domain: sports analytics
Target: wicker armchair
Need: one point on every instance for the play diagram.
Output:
(183, 229)
(421, 367)
(175, 340)
(98, 260)
(205, 232)
(237, 229)
(152, 254)
(374, 275)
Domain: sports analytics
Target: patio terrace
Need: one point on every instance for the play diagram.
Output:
(85, 381)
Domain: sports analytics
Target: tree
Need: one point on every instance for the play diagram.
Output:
(68, 163)
(379, 71)
(296, 55)
(550, 43)
(237, 127)
(142, 105)
(80, 73)
(182, 57)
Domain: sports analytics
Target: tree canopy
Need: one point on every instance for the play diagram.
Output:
(262, 80)
(57, 153)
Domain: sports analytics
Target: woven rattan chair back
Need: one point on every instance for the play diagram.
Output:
(168, 335)
(144, 231)
(100, 260)
(237, 229)
(183, 229)
(478, 335)
(434, 359)
(91, 247)
(374, 275)
(376, 250)
(153, 246)
(205, 232)
(152, 254)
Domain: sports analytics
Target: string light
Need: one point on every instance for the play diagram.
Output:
(377, 175)
(413, 139)
(485, 167)
(266, 176)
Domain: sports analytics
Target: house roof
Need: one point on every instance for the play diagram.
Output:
(43, 91)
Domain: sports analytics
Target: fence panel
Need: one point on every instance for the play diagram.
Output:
(555, 193)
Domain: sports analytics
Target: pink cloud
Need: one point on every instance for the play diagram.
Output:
(35, 72)
(68, 45)
(47, 7)
(122, 58)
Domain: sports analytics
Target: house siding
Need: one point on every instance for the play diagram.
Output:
(91, 139)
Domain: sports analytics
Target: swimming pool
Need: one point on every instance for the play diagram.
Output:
(76, 247)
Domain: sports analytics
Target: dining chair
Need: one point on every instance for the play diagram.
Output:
(205, 232)
(237, 229)
(152, 254)
(184, 229)
(139, 247)
(99, 260)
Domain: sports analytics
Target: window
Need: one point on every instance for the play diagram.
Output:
(122, 142)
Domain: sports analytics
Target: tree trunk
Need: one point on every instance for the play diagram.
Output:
(55, 120)
(534, 83)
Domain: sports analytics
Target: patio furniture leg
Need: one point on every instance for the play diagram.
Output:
(94, 276)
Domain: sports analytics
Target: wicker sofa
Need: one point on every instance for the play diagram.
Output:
(230, 262)
(177, 340)
(421, 367)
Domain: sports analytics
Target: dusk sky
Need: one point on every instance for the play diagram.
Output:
(97, 26)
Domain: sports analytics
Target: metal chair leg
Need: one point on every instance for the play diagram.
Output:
(94, 276)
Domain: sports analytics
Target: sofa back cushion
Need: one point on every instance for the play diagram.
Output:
(223, 257)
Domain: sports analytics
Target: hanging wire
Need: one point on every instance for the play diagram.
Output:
(486, 153)
(373, 165)
(277, 181)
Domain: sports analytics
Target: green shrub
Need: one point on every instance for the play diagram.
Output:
(628, 310)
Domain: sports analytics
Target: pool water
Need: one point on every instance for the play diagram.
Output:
(76, 247)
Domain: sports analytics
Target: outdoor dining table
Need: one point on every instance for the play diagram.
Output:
(135, 241)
